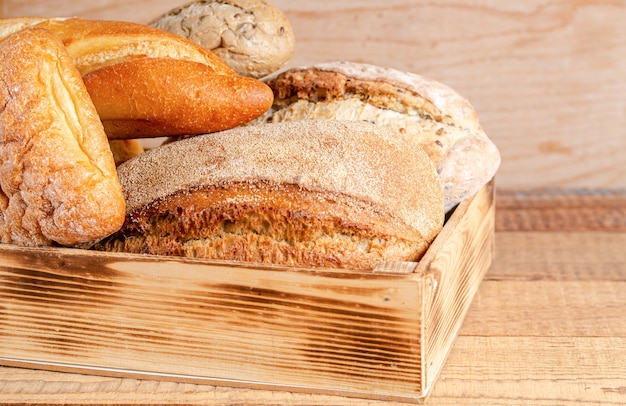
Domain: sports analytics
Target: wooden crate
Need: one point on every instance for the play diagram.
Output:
(377, 335)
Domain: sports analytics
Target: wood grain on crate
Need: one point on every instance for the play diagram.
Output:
(373, 335)
(333, 329)
(546, 327)
(450, 265)
(547, 77)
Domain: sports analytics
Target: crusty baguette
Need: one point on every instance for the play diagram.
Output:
(164, 96)
(431, 113)
(310, 193)
(57, 174)
(253, 37)
(120, 61)
(95, 44)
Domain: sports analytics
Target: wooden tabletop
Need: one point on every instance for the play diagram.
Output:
(547, 327)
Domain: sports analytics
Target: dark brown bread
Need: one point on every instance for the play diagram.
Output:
(308, 193)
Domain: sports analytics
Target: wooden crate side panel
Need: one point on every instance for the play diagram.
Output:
(452, 276)
(339, 332)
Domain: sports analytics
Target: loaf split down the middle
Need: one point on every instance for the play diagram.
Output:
(322, 193)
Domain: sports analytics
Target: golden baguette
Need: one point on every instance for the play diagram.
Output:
(125, 65)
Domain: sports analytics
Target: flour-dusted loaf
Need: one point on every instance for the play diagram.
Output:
(310, 193)
(57, 175)
(431, 113)
(253, 37)
(146, 82)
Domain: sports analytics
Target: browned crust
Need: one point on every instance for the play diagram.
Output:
(94, 44)
(437, 118)
(146, 82)
(172, 97)
(57, 173)
(318, 85)
(324, 187)
(263, 223)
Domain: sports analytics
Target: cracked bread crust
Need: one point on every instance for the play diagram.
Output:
(57, 174)
(442, 122)
(264, 223)
(253, 37)
(313, 193)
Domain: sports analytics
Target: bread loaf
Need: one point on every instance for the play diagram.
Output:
(57, 175)
(432, 114)
(10, 26)
(307, 193)
(123, 150)
(253, 37)
(147, 82)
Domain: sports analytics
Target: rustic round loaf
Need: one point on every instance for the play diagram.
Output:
(430, 113)
(253, 37)
(308, 193)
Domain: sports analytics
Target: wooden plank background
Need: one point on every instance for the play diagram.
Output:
(547, 77)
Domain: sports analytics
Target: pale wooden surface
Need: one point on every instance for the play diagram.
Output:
(547, 77)
(547, 327)
(554, 209)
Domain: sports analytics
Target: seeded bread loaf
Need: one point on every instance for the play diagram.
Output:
(253, 37)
